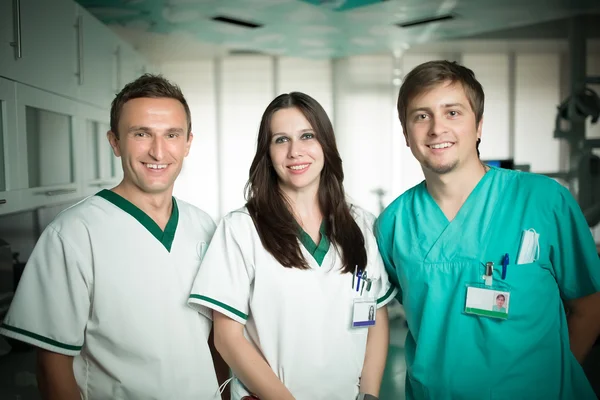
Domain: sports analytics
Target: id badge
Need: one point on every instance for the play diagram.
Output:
(363, 312)
(486, 301)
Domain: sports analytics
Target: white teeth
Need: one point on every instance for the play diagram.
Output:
(441, 145)
(298, 167)
(156, 166)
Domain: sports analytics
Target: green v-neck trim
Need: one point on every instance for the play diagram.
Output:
(318, 252)
(166, 237)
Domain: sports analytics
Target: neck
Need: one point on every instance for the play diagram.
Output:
(305, 204)
(158, 206)
(454, 187)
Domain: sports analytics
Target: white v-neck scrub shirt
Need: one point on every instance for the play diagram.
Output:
(106, 285)
(299, 320)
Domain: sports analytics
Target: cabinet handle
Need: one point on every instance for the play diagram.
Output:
(118, 55)
(79, 27)
(2, 201)
(17, 25)
(57, 192)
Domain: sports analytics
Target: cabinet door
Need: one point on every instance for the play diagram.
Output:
(9, 173)
(47, 43)
(8, 52)
(8, 127)
(100, 170)
(98, 45)
(46, 131)
(130, 65)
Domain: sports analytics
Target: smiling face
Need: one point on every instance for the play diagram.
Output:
(441, 129)
(296, 154)
(500, 301)
(152, 143)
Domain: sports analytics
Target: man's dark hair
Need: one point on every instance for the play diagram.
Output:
(147, 86)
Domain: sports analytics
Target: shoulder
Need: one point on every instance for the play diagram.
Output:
(78, 218)
(537, 188)
(193, 213)
(360, 215)
(238, 223)
(237, 218)
(389, 215)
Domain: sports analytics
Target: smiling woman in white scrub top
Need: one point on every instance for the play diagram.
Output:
(282, 274)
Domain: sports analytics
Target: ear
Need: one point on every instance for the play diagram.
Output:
(405, 138)
(188, 145)
(114, 143)
(479, 127)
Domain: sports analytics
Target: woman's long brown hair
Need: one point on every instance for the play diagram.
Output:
(270, 210)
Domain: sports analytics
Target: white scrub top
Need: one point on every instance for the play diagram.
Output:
(106, 285)
(299, 320)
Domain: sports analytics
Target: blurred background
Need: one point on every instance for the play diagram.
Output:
(62, 61)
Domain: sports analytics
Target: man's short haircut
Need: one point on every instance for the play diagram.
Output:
(147, 86)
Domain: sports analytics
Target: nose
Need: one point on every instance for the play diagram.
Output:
(157, 148)
(295, 149)
(438, 126)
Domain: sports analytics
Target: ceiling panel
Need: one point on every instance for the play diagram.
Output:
(328, 28)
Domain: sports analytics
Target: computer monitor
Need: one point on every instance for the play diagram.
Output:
(507, 164)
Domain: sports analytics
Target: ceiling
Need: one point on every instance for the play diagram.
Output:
(329, 28)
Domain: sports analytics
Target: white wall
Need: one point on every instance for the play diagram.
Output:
(363, 125)
(492, 71)
(198, 182)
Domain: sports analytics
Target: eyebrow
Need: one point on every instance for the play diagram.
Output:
(138, 128)
(301, 131)
(427, 109)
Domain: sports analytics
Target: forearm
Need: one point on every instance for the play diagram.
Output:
(252, 369)
(376, 354)
(56, 380)
(584, 325)
(221, 367)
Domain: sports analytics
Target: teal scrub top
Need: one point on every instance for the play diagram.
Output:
(454, 355)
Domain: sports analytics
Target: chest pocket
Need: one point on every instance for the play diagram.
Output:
(532, 289)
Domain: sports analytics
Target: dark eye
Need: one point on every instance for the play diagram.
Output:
(280, 139)
(453, 113)
(308, 136)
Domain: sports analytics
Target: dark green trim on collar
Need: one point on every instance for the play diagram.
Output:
(166, 237)
(318, 252)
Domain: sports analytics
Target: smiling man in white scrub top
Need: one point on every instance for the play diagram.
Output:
(104, 294)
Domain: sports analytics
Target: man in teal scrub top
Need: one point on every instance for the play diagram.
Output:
(469, 231)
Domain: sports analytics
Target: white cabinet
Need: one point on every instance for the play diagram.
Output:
(101, 168)
(10, 197)
(45, 53)
(98, 45)
(130, 65)
(46, 131)
(60, 69)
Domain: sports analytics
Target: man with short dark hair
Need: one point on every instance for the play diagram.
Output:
(469, 231)
(104, 294)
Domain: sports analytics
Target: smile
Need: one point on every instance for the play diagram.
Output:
(155, 166)
(444, 145)
(298, 167)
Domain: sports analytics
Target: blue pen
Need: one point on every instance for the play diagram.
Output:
(358, 282)
(504, 265)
